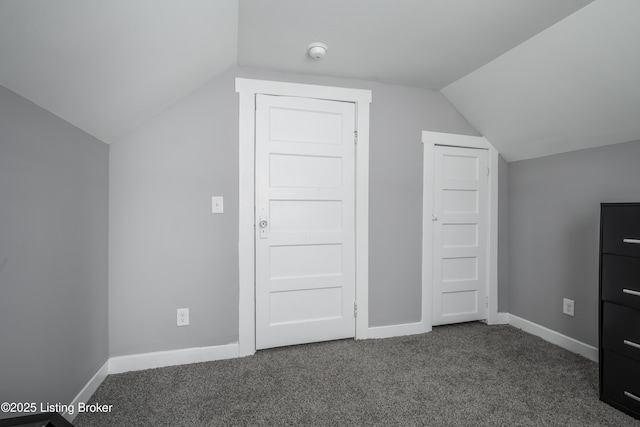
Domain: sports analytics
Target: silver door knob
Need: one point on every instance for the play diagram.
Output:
(263, 223)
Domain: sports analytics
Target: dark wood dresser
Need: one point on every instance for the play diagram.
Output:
(619, 329)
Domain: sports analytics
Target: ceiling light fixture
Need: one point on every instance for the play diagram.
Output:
(317, 50)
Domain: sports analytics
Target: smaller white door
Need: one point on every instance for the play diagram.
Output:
(461, 220)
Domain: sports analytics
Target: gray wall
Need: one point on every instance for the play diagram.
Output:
(554, 213)
(168, 251)
(53, 254)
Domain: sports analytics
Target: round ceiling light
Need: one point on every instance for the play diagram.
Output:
(317, 50)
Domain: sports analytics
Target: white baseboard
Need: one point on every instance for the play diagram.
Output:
(568, 343)
(138, 362)
(159, 359)
(500, 319)
(396, 330)
(87, 391)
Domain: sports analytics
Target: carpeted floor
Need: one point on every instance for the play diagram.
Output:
(460, 375)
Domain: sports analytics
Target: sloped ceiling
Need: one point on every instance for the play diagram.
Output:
(575, 85)
(108, 65)
(421, 43)
(536, 77)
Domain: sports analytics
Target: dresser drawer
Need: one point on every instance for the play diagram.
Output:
(621, 380)
(621, 229)
(621, 280)
(620, 330)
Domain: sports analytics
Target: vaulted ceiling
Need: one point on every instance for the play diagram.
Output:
(536, 77)
(575, 85)
(106, 66)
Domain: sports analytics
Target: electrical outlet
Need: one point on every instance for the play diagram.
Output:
(567, 306)
(183, 317)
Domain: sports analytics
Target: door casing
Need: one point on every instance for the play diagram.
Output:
(430, 140)
(248, 89)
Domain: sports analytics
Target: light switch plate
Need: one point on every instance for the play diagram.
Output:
(217, 204)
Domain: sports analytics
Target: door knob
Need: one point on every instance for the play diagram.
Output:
(263, 223)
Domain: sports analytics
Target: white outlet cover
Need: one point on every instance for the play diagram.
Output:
(183, 317)
(217, 204)
(568, 306)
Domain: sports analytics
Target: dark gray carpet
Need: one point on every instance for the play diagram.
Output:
(460, 375)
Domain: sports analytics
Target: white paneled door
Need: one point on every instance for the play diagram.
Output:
(305, 222)
(461, 223)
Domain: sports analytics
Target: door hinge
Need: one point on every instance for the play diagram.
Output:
(355, 136)
(355, 309)
(488, 171)
(486, 302)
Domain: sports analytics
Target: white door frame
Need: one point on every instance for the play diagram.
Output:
(430, 140)
(248, 89)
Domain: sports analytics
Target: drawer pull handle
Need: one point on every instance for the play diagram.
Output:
(632, 396)
(635, 241)
(631, 292)
(631, 343)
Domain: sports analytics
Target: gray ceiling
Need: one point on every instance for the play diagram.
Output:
(536, 77)
(422, 43)
(106, 66)
(574, 86)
